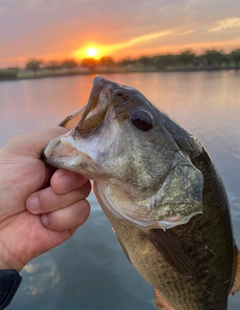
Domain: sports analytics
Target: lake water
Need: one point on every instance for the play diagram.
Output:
(90, 271)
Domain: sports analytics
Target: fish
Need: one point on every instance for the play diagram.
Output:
(160, 191)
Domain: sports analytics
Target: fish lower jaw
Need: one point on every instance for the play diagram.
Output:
(81, 164)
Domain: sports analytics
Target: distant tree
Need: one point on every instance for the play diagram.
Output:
(185, 58)
(226, 59)
(89, 63)
(34, 65)
(164, 61)
(198, 61)
(145, 61)
(127, 63)
(70, 64)
(13, 69)
(9, 73)
(213, 58)
(53, 65)
(106, 61)
(235, 56)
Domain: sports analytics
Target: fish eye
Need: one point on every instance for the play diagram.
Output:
(142, 120)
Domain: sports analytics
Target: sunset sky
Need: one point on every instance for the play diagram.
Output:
(59, 29)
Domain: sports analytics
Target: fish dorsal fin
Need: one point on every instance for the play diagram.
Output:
(236, 283)
(173, 251)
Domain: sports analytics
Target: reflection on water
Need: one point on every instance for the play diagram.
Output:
(90, 271)
(38, 281)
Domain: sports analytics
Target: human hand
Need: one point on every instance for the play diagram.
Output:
(36, 216)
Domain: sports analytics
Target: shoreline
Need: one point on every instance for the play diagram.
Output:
(40, 75)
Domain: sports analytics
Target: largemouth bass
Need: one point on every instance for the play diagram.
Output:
(159, 189)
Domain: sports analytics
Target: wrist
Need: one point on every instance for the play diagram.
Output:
(7, 267)
(8, 262)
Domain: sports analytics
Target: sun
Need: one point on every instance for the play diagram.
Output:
(92, 52)
(89, 51)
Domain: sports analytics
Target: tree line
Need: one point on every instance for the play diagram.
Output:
(186, 60)
(70, 64)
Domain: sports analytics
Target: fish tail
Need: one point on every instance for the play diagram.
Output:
(236, 283)
(161, 302)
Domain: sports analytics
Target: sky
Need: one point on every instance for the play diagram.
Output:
(60, 29)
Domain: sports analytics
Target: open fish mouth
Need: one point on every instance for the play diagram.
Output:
(72, 151)
(88, 118)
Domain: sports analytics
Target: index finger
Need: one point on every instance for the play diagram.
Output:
(64, 181)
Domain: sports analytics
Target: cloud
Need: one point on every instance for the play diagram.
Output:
(226, 24)
(137, 41)
(142, 39)
(41, 278)
(183, 33)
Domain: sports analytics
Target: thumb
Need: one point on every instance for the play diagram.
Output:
(32, 144)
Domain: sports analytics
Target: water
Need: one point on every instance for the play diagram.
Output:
(90, 271)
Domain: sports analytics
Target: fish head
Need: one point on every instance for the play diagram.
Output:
(138, 157)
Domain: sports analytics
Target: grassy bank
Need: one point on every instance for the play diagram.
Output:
(6, 75)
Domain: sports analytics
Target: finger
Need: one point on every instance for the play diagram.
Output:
(44, 178)
(46, 200)
(33, 143)
(68, 218)
(64, 181)
(41, 181)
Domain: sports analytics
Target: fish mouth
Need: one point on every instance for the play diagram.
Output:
(70, 151)
(91, 116)
(95, 110)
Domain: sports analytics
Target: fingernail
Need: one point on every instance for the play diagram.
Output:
(44, 219)
(64, 183)
(33, 204)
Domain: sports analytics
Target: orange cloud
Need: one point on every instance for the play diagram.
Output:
(226, 24)
(111, 48)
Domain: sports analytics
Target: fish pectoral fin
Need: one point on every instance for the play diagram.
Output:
(236, 283)
(161, 302)
(124, 249)
(173, 251)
